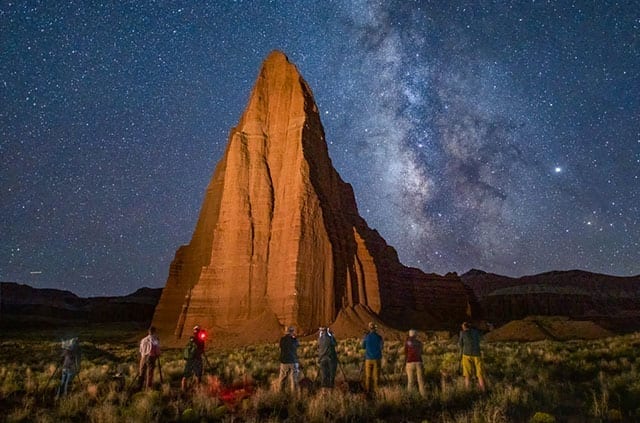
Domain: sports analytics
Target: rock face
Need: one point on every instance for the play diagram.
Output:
(611, 301)
(279, 240)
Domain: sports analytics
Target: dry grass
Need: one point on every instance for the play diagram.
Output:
(545, 381)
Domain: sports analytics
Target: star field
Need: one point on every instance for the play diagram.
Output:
(503, 136)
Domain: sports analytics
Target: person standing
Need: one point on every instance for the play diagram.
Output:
(469, 343)
(413, 357)
(193, 354)
(327, 358)
(289, 366)
(149, 355)
(70, 365)
(372, 344)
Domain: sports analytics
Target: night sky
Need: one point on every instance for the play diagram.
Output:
(503, 136)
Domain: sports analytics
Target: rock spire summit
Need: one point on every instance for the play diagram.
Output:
(279, 240)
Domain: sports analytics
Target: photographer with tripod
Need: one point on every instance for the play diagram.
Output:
(70, 365)
(149, 357)
(327, 357)
(194, 354)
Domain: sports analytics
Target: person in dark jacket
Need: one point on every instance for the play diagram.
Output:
(289, 367)
(372, 344)
(327, 357)
(194, 356)
(413, 357)
(469, 343)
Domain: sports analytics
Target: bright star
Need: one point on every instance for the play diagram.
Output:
(558, 169)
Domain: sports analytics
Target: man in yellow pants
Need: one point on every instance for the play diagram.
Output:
(469, 342)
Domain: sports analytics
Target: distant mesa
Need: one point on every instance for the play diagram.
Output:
(557, 305)
(279, 240)
(610, 301)
(25, 306)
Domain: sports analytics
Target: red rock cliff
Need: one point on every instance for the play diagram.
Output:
(279, 240)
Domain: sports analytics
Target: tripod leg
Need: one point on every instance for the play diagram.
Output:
(49, 380)
(160, 370)
(344, 375)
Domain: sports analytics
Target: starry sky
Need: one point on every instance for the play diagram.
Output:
(498, 135)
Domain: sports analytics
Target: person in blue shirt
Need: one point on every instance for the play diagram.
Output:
(372, 344)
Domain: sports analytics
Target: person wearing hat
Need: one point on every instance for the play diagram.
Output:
(289, 366)
(469, 343)
(413, 357)
(372, 343)
(70, 364)
(193, 353)
(327, 357)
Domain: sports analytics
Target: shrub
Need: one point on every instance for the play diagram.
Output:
(73, 406)
(145, 406)
(105, 413)
(614, 415)
(541, 417)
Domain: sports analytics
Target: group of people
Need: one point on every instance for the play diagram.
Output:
(328, 363)
(149, 360)
(372, 344)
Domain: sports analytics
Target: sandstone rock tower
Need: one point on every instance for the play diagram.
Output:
(279, 240)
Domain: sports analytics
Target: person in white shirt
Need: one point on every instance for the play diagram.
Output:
(149, 354)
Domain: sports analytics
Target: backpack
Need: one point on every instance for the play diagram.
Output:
(155, 348)
(189, 351)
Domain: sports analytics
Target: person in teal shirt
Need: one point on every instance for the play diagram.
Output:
(469, 343)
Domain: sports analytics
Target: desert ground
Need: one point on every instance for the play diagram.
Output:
(594, 380)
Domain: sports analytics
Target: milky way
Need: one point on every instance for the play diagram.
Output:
(503, 136)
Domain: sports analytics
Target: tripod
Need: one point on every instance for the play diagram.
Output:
(206, 362)
(160, 370)
(50, 378)
(148, 369)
